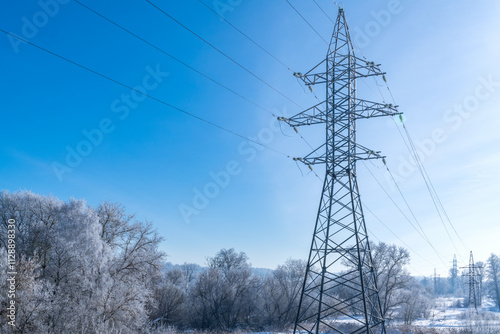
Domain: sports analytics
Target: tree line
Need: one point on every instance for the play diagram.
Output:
(83, 269)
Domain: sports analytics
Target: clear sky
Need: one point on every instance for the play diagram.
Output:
(71, 133)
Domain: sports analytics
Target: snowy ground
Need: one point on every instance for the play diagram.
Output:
(446, 314)
(447, 317)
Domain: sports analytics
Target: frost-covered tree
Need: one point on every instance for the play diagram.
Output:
(493, 273)
(224, 295)
(170, 297)
(80, 269)
(390, 264)
(30, 300)
(414, 302)
(481, 271)
(281, 292)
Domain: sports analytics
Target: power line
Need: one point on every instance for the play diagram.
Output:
(245, 35)
(303, 18)
(433, 190)
(403, 197)
(251, 40)
(173, 57)
(328, 16)
(223, 53)
(392, 232)
(413, 152)
(421, 233)
(410, 145)
(373, 235)
(241, 32)
(144, 94)
(428, 185)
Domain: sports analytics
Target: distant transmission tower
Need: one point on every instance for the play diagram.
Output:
(435, 282)
(454, 274)
(474, 283)
(340, 277)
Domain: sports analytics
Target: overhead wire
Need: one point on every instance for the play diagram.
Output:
(312, 91)
(372, 234)
(144, 94)
(409, 143)
(305, 20)
(432, 191)
(420, 168)
(185, 64)
(223, 53)
(409, 208)
(413, 152)
(404, 198)
(245, 35)
(302, 137)
(233, 26)
(300, 169)
(390, 230)
(174, 58)
(328, 16)
(395, 235)
(380, 241)
(420, 232)
(248, 37)
(281, 130)
(260, 47)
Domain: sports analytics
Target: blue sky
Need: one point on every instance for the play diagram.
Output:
(442, 66)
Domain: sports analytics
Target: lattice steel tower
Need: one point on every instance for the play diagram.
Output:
(340, 277)
(474, 283)
(454, 274)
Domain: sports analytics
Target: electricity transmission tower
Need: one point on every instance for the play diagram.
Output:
(340, 277)
(435, 282)
(454, 274)
(474, 283)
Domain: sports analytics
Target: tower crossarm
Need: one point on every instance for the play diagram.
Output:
(311, 78)
(363, 69)
(363, 109)
(369, 109)
(314, 115)
(361, 153)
